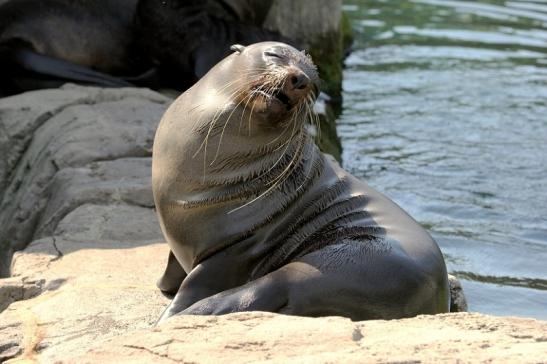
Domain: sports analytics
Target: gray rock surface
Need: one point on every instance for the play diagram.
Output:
(307, 20)
(67, 147)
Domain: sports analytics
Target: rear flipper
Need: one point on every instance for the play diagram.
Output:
(22, 69)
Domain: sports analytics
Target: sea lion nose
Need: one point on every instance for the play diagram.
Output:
(299, 81)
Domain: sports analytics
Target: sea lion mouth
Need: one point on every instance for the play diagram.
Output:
(283, 98)
(277, 95)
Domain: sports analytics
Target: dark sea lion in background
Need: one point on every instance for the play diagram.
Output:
(257, 218)
(120, 43)
(46, 43)
(188, 37)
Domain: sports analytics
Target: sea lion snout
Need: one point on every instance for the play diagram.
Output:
(297, 85)
(295, 88)
(299, 81)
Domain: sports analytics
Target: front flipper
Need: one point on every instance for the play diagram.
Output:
(208, 278)
(172, 278)
(283, 291)
(264, 294)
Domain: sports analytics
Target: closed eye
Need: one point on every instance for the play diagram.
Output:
(273, 54)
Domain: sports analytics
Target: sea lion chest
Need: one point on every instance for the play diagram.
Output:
(265, 233)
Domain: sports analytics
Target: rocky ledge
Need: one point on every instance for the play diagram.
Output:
(75, 187)
(85, 302)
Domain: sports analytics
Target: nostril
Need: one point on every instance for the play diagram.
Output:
(299, 81)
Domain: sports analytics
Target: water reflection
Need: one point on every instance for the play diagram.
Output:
(446, 112)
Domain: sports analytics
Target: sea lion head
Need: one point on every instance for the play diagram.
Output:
(273, 81)
(282, 81)
(245, 118)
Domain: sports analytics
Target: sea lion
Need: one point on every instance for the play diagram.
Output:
(257, 218)
(45, 44)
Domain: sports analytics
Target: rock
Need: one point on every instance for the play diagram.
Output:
(92, 284)
(458, 302)
(63, 148)
(305, 20)
(265, 337)
(76, 182)
(17, 289)
(122, 181)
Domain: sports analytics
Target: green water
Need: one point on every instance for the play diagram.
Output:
(445, 111)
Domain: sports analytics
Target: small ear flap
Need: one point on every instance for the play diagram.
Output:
(237, 48)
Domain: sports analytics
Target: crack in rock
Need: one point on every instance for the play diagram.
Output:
(59, 252)
(137, 347)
